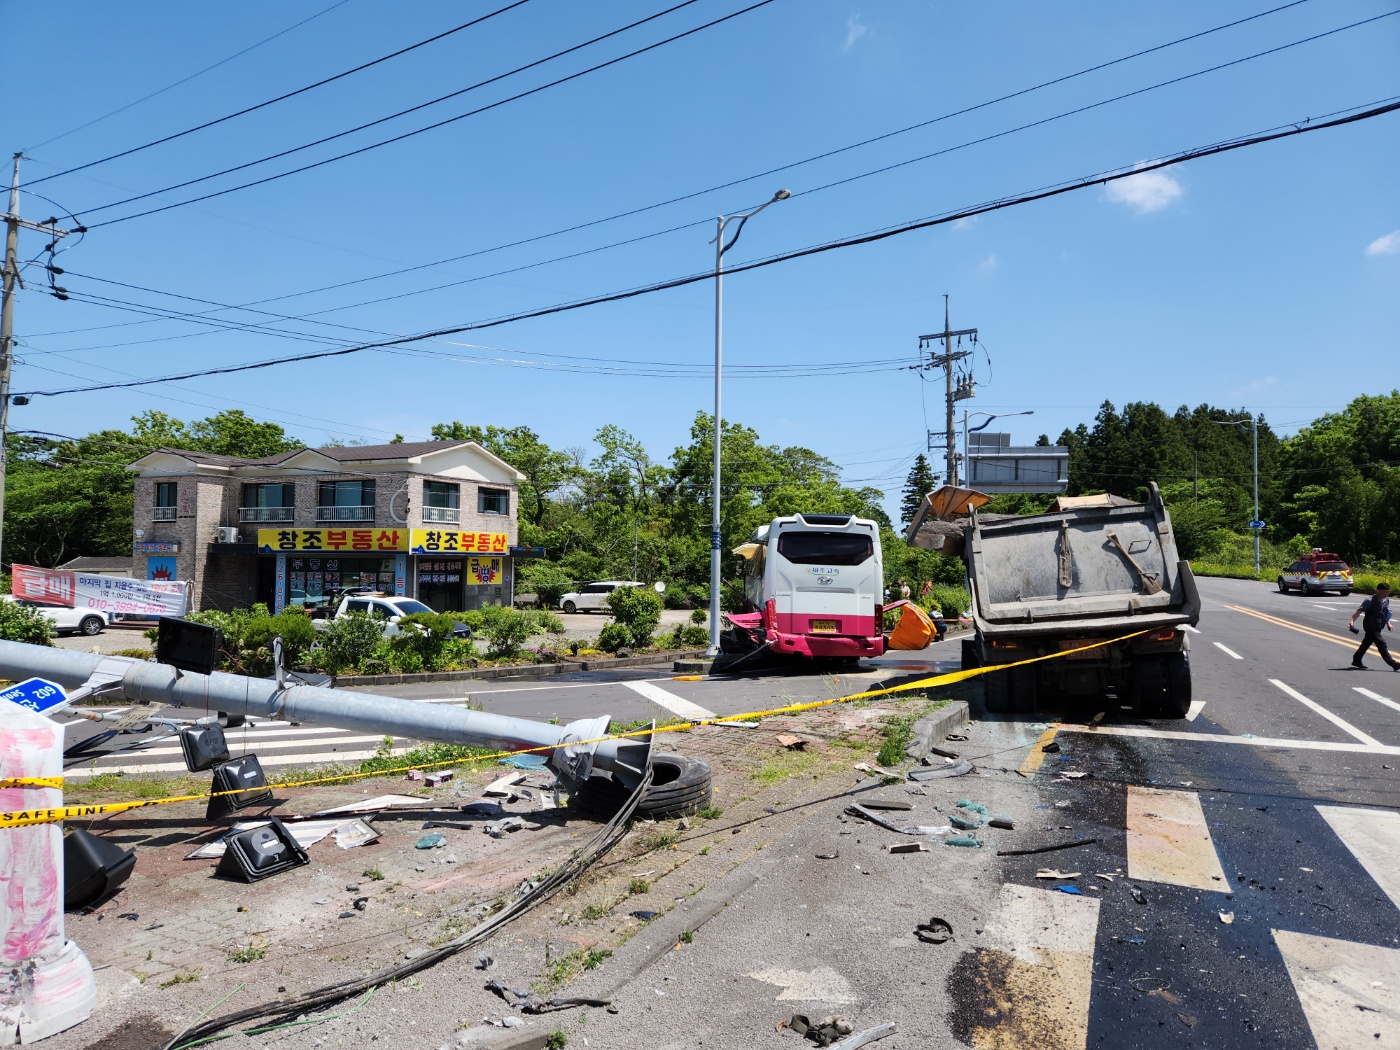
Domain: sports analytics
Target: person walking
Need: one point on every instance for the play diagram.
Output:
(1375, 617)
(904, 591)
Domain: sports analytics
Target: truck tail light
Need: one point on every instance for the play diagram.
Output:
(1164, 635)
(1006, 645)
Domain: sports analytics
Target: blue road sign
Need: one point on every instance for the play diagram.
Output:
(1257, 524)
(35, 694)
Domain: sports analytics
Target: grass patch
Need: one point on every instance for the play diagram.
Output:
(556, 1041)
(180, 977)
(593, 912)
(134, 654)
(709, 813)
(638, 886)
(687, 936)
(655, 838)
(789, 764)
(898, 731)
(373, 874)
(448, 931)
(246, 953)
(641, 723)
(564, 969)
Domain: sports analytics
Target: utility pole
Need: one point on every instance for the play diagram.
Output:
(960, 391)
(7, 314)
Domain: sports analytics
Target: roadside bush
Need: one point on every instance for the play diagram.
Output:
(613, 637)
(546, 622)
(951, 601)
(421, 644)
(547, 579)
(506, 631)
(699, 616)
(24, 623)
(248, 635)
(693, 637)
(349, 641)
(638, 609)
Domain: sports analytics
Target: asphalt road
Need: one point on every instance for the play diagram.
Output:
(1254, 849)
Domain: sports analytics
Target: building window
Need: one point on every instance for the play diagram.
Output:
(167, 499)
(268, 502)
(493, 501)
(346, 501)
(440, 502)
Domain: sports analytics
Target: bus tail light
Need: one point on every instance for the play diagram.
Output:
(770, 616)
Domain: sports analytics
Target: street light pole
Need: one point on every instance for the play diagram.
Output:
(967, 452)
(1238, 424)
(721, 222)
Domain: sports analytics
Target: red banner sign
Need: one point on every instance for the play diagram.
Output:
(52, 586)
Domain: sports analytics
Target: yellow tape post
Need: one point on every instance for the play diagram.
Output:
(22, 818)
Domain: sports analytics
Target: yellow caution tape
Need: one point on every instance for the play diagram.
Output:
(24, 818)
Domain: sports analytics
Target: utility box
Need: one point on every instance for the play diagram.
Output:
(1091, 570)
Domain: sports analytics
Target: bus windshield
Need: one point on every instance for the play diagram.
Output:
(825, 548)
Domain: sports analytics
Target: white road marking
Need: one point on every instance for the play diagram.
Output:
(1188, 627)
(677, 705)
(259, 746)
(1228, 652)
(1224, 738)
(525, 689)
(267, 762)
(1347, 990)
(1197, 706)
(1169, 840)
(1377, 697)
(1336, 720)
(1373, 837)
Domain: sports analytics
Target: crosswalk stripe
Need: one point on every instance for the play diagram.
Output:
(261, 746)
(677, 705)
(323, 758)
(1169, 840)
(1347, 990)
(1225, 738)
(1336, 720)
(1377, 697)
(1035, 975)
(1373, 837)
(1228, 652)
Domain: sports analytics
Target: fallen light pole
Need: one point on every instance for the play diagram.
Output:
(576, 748)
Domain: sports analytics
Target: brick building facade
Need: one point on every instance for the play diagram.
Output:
(436, 520)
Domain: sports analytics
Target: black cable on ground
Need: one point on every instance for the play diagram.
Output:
(608, 836)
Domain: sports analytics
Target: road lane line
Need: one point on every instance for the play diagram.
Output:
(1373, 837)
(677, 705)
(1225, 738)
(1310, 632)
(1169, 840)
(1377, 697)
(1197, 706)
(1336, 720)
(1033, 760)
(1229, 652)
(1038, 967)
(1346, 989)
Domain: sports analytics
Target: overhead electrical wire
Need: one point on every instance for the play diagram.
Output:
(280, 98)
(430, 127)
(187, 79)
(1305, 127)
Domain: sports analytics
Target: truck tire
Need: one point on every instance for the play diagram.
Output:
(1023, 690)
(1148, 689)
(969, 654)
(996, 692)
(1178, 669)
(682, 786)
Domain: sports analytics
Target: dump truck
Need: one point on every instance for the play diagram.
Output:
(1076, 580)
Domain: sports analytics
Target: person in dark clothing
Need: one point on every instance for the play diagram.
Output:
(1375, 617)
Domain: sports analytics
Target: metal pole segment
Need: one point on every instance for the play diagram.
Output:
(362, 712)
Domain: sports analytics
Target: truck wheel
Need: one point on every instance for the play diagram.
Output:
(996, 691)
(1148, 688)
(1023, 690)
(969, 654)
(1178, 701)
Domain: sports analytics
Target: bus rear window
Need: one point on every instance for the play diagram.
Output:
(825, 548)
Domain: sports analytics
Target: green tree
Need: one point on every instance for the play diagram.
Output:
(920, 482)
(547, 471)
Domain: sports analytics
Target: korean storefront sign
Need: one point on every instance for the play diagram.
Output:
(113, 594)
(444, 541)
(159, 547)
(275, 540)
(483, 570)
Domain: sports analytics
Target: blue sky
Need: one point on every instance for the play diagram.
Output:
(1264, 278)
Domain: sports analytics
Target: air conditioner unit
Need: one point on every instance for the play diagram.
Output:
(228, 534)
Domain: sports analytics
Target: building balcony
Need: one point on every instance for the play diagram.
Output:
(344, 513)
(443, 515)
(162, 513)
(266, 514)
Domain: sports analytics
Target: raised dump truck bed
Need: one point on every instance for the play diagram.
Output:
(1090, 571)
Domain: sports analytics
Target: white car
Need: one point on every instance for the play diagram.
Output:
(66, 620)
(592, 597)
(389, 609)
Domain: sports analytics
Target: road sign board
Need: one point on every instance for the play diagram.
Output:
(35, 694)
(1257, 524)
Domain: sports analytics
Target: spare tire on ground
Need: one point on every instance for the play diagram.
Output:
(681, 786)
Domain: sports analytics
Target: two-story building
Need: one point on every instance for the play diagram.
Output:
(435, 520)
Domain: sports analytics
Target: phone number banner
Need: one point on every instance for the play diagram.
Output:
(443, 541)
(274, 540)
(113, 594)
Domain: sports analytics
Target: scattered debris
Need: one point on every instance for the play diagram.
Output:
(907, 847)
(484, 962)
(1051, 873)
(963, 840)
(1045, 849)
(645, 916)
(501, 787)
(1070, 889)
(941, 753)
(525, 761)
(438, 779)
(1150, 985)
(857, 810)
(1187, 1019)
(935, 931)
(870, 1035)
(956, 769)
(1072, 774)
(482, 809)
(374, 805)
(1227, 917)
(887, 803)
(823, 1032)
(306, 833)
(499, 829)
(1003, 823)
(829, 856)
(735, 725)
(414, 774)
(1051, 748)
(432, 840)
(1138, 895)
(792, 743)
(360, 903)
(355, 833)
(1106, 878)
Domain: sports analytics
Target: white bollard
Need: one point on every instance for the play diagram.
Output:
(46, 982)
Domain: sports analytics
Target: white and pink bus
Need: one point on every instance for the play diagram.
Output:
(813, 585)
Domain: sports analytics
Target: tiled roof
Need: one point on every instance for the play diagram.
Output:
(403, 450)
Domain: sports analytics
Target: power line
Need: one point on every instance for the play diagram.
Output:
(192, 76)
(1103, 178)
(283, 97)
(430, 127)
